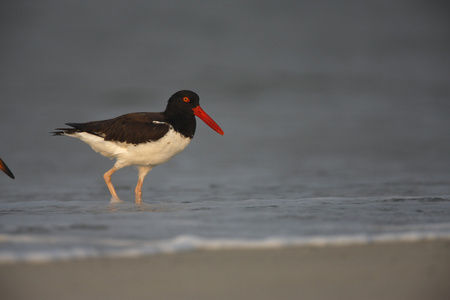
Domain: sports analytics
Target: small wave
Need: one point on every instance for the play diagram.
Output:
(47, 249)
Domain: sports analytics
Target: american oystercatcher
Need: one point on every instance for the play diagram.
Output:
(5, 169)
(143, 139)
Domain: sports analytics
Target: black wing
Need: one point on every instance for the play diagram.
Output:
(131, 128)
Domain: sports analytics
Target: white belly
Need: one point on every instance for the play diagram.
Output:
(146, 154)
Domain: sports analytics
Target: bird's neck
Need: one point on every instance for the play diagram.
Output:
(182, 123)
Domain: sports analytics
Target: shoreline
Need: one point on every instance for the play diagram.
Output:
(390, 270)
(71, 249)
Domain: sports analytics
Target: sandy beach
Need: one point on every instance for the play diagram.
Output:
(406, 270)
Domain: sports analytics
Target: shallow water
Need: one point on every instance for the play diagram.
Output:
(336, 124)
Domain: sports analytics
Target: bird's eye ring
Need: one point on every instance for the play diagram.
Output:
(186, 99)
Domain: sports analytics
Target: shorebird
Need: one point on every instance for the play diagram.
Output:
(143, 139)
(5, 169)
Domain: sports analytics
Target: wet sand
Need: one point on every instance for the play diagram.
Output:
(406, 270)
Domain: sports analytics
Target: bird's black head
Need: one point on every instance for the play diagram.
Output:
(182, 102)
(182, 107)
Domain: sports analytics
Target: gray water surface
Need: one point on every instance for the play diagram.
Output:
(336, 120)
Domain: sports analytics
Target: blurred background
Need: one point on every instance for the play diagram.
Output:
(316, 98)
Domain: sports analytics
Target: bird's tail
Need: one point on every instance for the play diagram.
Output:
(66, 131)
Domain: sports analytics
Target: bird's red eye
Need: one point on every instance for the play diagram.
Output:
(186, 99)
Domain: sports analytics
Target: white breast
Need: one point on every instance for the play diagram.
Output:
(145, 154)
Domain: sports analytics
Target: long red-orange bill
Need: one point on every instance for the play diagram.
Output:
(199, 112)
(5, 169)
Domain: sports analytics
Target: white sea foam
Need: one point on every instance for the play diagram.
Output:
(49, 249)
(41, 231)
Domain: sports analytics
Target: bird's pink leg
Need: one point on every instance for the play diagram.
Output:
(107, 177)
(143, 171)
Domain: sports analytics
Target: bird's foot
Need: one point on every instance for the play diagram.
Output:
(138, 199)
(115, 199)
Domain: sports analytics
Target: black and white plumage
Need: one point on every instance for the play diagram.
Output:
(143, 139)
